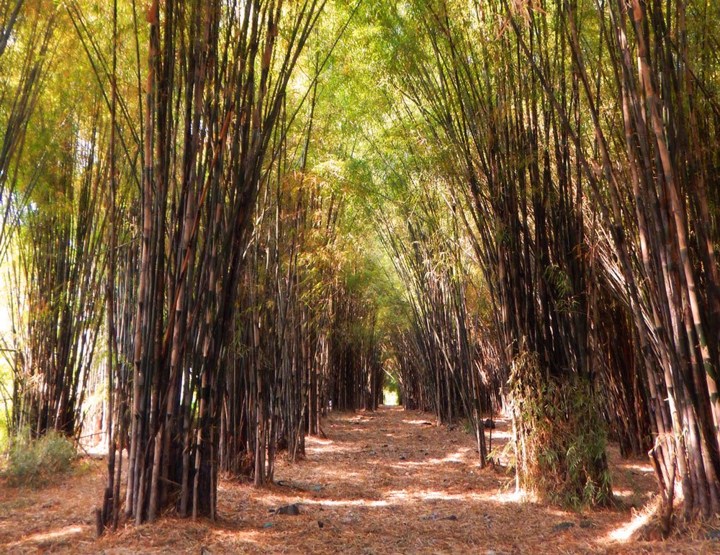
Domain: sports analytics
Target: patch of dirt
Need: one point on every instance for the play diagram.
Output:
(384, 482)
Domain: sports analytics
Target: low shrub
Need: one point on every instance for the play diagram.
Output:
(36, 462)
(561, 437)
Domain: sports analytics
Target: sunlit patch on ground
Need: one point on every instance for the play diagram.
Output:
(346, 502)
(636, 467)
(42, 537)
(626, 530)
(418, 422)
(623, 493)
(508, 497)
(330, 448)
(469, 497)
(500, 434)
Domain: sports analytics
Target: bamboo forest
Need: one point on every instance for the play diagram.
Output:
(359, 276)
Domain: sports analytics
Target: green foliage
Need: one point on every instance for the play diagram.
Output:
(5, 403)
(3, 429)
(37, 462)
(561, 436)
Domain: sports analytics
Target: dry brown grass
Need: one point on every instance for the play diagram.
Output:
(390, 482)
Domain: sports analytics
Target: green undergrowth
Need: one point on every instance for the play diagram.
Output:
(561, 443)
(5, 404)
(38, 462)
(3, 435)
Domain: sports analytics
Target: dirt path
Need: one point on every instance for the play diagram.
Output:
(384, 482)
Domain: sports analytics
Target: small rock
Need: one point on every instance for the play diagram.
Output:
(372, 453)
(350, 518)
(586, 523)
(290, 510)
(561, 527)
(320, 524)
(402, 457)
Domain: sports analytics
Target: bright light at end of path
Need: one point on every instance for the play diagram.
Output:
(390, 398)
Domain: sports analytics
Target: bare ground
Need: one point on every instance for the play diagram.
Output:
(384, 482)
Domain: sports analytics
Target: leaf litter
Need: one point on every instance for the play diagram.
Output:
(385, 482)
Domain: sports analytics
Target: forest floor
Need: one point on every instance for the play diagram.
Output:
(383, 482)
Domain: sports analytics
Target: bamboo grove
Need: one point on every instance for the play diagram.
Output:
(222, 219)
(592, 210)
